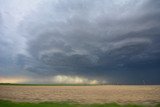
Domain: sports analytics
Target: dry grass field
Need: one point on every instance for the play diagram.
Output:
(82, 94)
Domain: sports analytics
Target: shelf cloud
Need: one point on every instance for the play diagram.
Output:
(109, 40)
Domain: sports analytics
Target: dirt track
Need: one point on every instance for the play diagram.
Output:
(82, 94)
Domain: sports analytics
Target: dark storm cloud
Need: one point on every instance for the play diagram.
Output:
(117, 40)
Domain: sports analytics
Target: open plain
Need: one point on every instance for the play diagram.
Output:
(82, 94)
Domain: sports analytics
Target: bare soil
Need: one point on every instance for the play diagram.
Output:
(82, 94)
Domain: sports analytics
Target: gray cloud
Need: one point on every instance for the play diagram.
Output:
(117, 40)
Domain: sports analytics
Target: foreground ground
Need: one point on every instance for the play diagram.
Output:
(65, 104)
(82, 94)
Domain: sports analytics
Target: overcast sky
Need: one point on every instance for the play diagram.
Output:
(80, 41)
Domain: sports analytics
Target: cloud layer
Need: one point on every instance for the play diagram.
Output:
(115, 40)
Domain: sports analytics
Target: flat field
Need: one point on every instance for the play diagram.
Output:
(138, 94)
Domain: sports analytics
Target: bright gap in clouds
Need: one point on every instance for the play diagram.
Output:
(58, 79)
(13, 80)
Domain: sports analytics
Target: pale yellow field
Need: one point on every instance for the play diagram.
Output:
(82, 94)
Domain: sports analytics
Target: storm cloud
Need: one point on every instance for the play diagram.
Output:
(106, 40)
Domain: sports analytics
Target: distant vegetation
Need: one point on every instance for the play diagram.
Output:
(64, 104)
